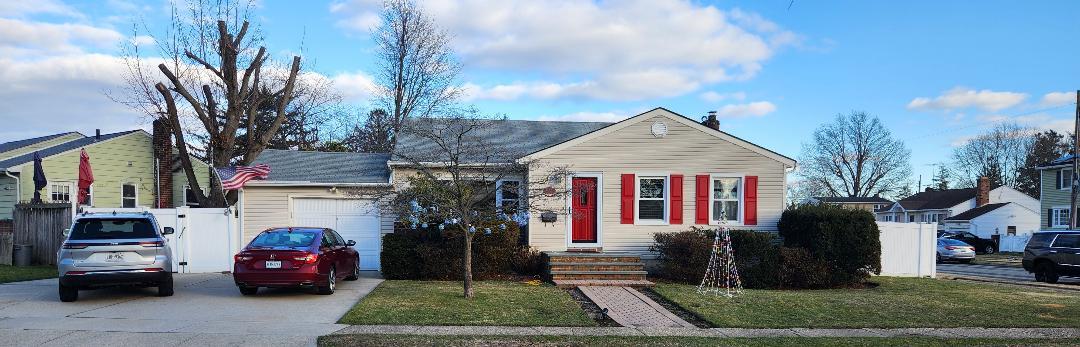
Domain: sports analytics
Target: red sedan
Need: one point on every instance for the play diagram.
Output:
(296, 257)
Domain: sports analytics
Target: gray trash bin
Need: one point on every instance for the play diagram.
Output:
(22, 255)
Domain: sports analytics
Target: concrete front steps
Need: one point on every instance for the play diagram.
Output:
(574, 269)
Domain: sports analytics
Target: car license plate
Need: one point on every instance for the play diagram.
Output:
(273, 264)
(114, 258)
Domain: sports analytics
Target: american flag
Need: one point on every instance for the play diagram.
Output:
(234, 177)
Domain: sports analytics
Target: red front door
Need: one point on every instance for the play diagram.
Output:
(583, 210)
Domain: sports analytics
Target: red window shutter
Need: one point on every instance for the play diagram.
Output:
(627, 216)
(750, 201)
(701, 199)
(676, 199)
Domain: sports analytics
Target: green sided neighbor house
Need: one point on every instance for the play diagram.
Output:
(131, 169)
(1056, 193)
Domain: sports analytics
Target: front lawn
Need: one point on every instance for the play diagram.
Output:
(896, 303)
(441, 303)
(10, 273)
(611, 341)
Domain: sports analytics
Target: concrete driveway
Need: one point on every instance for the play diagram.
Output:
(206, 310)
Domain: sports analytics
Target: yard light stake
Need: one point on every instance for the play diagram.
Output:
(721, 276)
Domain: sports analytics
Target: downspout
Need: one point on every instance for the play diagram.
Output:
(18, 187)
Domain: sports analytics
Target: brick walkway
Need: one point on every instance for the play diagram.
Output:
(961, 333)
(631, 308)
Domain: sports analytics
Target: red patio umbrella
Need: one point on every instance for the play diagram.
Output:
(86, 176)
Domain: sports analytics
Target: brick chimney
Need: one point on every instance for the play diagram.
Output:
(982, 192)
(162, 142)
(711, 121)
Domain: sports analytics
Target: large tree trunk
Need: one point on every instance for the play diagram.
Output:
(468, 263)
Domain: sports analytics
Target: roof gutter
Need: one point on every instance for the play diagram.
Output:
(18, 194)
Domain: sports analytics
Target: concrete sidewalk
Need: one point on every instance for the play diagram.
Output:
(713, 332)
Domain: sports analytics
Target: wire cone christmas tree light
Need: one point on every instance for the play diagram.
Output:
(721, 277)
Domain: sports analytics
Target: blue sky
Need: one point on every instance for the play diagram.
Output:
(935, 72)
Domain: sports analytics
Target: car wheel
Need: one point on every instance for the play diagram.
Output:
(245, 290)
(355, 272)
(989, 250)
(331, 283)
(165, 288)
(1045, 272)
(68, 294)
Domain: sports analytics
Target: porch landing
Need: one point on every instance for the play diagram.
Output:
(575, 269)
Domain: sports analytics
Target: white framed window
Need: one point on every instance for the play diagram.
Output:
(1065, 179)
(651, 203)
(60, 192)
(1060, 217)
(508, 195)
(190, 199)
(888, 218)
(726, 199)
(911, 218)
(89, 197)
(129, 195)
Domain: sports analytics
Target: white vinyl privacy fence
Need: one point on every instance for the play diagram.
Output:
(908, 249)
(205, 238)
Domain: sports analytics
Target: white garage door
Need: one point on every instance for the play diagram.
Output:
(354, 219)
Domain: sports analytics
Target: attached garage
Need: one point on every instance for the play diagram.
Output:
(354, 219)
(331, 190)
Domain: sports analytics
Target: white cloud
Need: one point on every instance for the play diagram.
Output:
(587, 117)
(354, 86)
(1058, 98)
(712, 96)
(17, 8)
(26, 38)
(753, 109)
(609, 50)
(961, 97)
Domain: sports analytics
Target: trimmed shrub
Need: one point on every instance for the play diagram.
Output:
(432, 254)
(800, 270)
(846, 241)
(684, 256)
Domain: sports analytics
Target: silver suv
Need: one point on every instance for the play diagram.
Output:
(113, 249)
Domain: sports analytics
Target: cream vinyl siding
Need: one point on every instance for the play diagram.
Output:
(684, 150)
(267, 207)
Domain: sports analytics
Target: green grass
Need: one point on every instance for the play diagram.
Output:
(10, 273)
(896, 303)
(1000, 259)
(441, 303)
(610, 341)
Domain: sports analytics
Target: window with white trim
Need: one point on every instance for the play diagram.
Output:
(89, 196)
(129, 195)
(888, 218)
(508, 196)
(652, 199)
(60, 192)
(1060, 218)
(190, 199)
(1065, 179)
(911, 218)
(726, 199)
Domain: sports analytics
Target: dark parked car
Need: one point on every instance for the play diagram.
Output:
(1051, 254)
(982, 246)
(296, 257)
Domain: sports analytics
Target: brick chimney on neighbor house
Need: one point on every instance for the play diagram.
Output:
(162, 142)
(982, 192)
(711, 121)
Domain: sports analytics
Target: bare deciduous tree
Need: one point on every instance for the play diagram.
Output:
(855, 155)
(233, 99)
(417, 72)
(998, 154)
(1047, 146)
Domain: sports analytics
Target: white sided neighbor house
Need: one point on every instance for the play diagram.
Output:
(652, 173)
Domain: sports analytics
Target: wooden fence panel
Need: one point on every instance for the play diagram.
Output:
(5, 241)
(42, 225)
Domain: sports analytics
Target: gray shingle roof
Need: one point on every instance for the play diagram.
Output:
(63, 147)
(325, 167)
(853, 199)
(512, 138)
(937, 199)
(978, 211)
(7, 146)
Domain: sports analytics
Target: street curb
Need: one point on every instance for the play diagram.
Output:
(1001, 281)
(967, 332)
